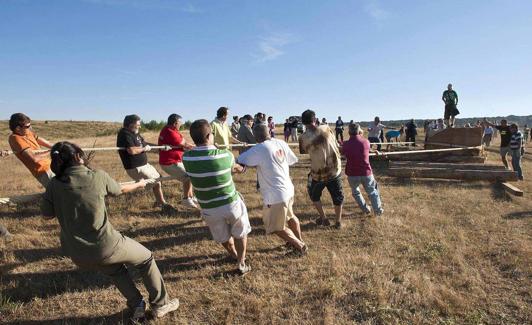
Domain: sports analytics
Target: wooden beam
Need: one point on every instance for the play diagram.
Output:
(512, 189)
(425, 164)
(463, 174)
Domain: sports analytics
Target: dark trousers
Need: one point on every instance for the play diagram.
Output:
(411, 138)
(339, 133)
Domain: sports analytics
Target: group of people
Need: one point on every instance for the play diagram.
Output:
(75, 193)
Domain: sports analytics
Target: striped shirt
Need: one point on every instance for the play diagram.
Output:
(209, 169)
(516, 141)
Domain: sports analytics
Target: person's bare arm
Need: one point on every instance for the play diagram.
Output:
(138, 150)
(238, 169)
(45, 143)
(126, 188)
(35, 157)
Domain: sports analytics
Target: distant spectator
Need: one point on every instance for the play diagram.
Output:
(518, 150)
(271, 126)
(245, 134)
(487, 136)
(375, 128)
(221, 131)
(293, 129)
(526, 132)
(339, 129)
(235, 126)
(286, 130)
(506, 136)
(411, 132)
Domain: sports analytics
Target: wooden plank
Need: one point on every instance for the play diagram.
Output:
(445, 165)
(456, 136)
(463, 174)
(512, 189)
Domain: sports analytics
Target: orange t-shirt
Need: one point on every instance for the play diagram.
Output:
(19, 143)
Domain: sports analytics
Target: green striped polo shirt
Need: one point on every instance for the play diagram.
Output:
(209, 169)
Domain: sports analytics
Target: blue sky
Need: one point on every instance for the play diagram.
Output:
(103, 59)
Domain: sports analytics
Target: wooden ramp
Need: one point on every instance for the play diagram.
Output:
(454, 137)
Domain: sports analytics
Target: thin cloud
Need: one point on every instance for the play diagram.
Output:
(374, 9)
(271, 47)
(149, 4)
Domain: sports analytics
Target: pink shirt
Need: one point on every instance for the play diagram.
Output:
(356, 151)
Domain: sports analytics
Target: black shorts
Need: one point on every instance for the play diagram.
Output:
(450, 110)
(334, 186)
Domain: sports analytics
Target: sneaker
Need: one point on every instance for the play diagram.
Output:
(319, 221)
(380, 213)
(168, 209)
(161, 311)
(326, 222)
(243, 268)
(338, 225)
(139, 312)
(189, 203)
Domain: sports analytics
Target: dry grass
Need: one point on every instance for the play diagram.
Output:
(444, 253)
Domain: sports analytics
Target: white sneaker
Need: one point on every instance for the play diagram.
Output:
(171, 306)
(189, 203)
(243, 268)
(139, 312)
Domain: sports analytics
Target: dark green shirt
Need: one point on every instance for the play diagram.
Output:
(450, 97)
(79, 205)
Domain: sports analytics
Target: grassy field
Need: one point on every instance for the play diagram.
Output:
(444, 253)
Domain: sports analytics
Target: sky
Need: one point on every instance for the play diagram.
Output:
(103, 59)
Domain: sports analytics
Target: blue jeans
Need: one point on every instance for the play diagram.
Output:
(516, 163)
(372, 189)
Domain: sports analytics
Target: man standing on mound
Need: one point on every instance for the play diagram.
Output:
(272, 158)
(222, 208)
(450, 98)
(325, 166)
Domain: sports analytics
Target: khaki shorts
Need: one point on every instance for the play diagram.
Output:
(143, 172)
(45, 178)
(276, 215)
(177, 171)
(228, 220)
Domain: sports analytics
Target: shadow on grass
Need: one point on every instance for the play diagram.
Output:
(20, 212)
(117, 318)
(430, 182)
(518, 215)
(499, 194)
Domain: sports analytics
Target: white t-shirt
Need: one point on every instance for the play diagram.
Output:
(375, 130)
(272, 158)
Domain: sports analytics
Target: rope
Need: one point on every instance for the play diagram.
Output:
(10, 152)
(19, 199)
(32, 197)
